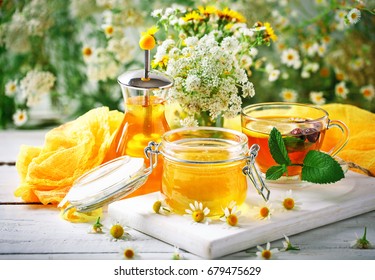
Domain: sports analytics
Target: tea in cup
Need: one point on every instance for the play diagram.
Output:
(302, 127)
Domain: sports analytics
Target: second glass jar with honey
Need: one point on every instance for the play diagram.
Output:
(144, 121)
(203, 164)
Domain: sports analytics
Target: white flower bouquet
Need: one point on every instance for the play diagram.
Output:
(209, 61)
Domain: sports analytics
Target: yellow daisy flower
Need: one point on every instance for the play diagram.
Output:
(207, 11)
(270, 33)
(192, 16)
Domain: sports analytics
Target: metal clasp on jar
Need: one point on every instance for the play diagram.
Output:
(152, 152)
(252, 172)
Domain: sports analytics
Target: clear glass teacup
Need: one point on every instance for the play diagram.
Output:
(302, 126)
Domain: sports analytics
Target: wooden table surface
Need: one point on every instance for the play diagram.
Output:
(35, 231)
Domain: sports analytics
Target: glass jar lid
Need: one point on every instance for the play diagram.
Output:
(135, 79)
(107, 183)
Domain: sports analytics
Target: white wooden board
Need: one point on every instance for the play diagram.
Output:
(321, 205)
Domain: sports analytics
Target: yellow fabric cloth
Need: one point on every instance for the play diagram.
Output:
(360, 148)
(70, 150)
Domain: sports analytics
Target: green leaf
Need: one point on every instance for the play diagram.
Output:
(321, 168)
(275, 172)
(277, 148)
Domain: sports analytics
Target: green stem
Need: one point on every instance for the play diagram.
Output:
(364, 235)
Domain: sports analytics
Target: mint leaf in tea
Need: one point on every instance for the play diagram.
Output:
(317, 167)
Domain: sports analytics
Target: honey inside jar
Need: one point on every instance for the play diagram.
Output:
(204, 166)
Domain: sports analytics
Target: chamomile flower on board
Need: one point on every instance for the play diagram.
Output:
(231, 215)
(117, 232)
(263, 211)
(289, 201)
(198, 213)
(266, 253)
(159, 207)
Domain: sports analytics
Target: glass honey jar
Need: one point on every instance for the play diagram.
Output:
(207, 165)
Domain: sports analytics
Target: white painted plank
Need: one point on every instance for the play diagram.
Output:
(11, 140)
(9, 181)
(322, 205)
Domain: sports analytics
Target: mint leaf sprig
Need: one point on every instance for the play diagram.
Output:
(317, 167)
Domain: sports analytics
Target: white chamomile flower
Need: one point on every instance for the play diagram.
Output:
(341, 90)
(118, 232)
(11, 88)
(108, 30)
(368, 92)
(353, 16)
(289, 201)
(317, 97)
(273, 75)
(264, 210)
(321, 49)
(290, 57)
(97, 227)
(198, 212)
(266, 253)
(129, 253)
(289, 95)
(87, 52)
(160, 206)
(288, 246)
(177, 255)
(361, 242)
(20, 117)
(231, 214)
